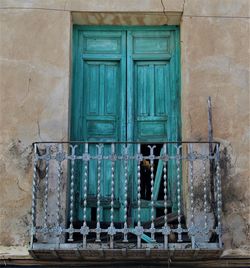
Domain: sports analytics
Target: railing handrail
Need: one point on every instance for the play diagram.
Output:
(126, 142)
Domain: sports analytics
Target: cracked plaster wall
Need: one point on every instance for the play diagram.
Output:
(35, 78)
(215, 62)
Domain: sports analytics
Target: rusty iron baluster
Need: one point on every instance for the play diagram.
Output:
(98, 226)
(59, 158)
(125, 227)
(85, 229)
(218, 195)
(34, 196)
(111, 229)
(204, 177)
(151, 157)
(139, 229)
(179, 228)
(165, 229)
(46, 191)
(191, 229)
(59, 172)
(72, 191)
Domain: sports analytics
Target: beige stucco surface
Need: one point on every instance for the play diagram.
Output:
(34, 77)
(215, 62)
(35, 52)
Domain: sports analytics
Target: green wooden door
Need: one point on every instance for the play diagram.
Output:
(125, 88)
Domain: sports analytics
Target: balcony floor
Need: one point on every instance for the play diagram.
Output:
(95, 252)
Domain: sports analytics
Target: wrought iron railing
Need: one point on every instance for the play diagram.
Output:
(182, 194)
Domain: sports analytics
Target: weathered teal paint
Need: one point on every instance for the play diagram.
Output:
(126, 87)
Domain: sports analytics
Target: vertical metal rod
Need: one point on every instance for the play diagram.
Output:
(204, 177)
(210, 125)
(219, 203)
(98, 226)
(72, 186)
(58, 193)
(211, 152)
(112, 228)
(125, 227)
(58, 199)
(46, 189)
(34, 193)
(191, 175)
(139, 195)
(165, 196)
(152, 229)
(179, 195)
(85, 228)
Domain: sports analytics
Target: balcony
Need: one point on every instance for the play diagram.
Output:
(126, 200)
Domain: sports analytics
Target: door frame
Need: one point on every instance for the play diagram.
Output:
(174, 127)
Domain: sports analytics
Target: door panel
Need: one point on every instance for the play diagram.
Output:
(98, 111)
(151, 99)
(100, 42)
(150, 59)
(101, 97)
(100, 121)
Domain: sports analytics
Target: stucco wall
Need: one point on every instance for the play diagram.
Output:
(34, 58)
(35, 84)
(215, 62)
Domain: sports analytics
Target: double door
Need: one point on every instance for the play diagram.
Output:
(125, 89)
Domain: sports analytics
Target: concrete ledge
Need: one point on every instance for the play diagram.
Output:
(140, 255)
(236, 253)
(181, 258)
(14, 252)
